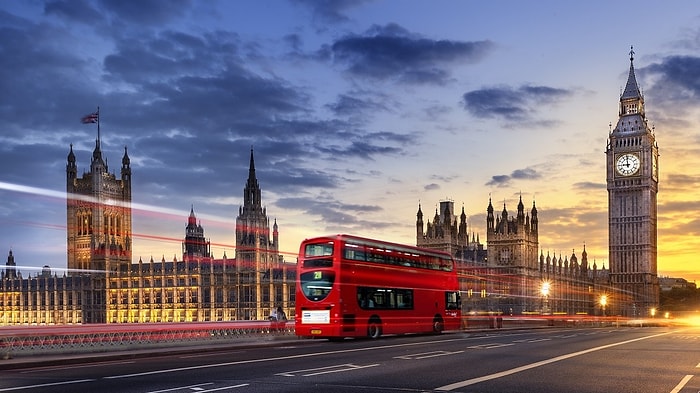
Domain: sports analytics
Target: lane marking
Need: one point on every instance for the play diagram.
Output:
(532, 340)
(489, 346)
(501, 374)
(43, 385)
(310, 372)
(193, 387)
(225, 388)
(681, 384)
(426, 355)
(53, 368)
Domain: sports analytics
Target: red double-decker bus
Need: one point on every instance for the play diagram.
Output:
(349, 286)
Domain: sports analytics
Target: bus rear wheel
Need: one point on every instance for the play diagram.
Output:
(374, 328)
(438, 325)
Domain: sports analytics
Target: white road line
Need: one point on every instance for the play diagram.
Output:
(309, 372)
(473, 381)
(73, 366)
(426, 355)
(43, 385)
(682, 383)
(225, 388)
(197, 386)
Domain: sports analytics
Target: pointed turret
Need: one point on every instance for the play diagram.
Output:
(251, 195)
(419, 223)
(71, 167)
(632, 100)
(489, 217)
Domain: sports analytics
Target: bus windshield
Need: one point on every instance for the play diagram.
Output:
(316, 285)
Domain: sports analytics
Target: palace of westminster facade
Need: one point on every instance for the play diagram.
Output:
(510, 276)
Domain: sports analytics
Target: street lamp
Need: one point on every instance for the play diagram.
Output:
(544, 291)
(603, 302)
(652, 312)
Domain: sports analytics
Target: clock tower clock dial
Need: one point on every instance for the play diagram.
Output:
(627, 164)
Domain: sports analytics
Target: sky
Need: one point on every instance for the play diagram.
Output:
(358, 112)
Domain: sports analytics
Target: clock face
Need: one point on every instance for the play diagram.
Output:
(627, 164)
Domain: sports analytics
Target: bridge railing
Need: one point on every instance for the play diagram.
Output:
(36, 340)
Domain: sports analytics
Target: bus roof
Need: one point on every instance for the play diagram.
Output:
(381, 243)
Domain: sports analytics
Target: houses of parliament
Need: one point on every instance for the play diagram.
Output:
(509, 276)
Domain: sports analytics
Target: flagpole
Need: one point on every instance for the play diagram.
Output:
(99, 142)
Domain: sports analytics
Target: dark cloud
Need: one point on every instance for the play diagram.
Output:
(677, 81)
(150, 12)
(329, 12)
(352, 105)
(586, 186)
(392, 53)
(527, 174)
(431, 187)
(74, 10)
(499, 181)
(332, 214)
(518, 174)
(511, 104)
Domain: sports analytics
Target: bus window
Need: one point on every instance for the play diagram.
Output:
(319, 249)
(316, 285)
(452, 300)
(385, 298)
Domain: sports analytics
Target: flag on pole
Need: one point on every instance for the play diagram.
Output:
(91, 118)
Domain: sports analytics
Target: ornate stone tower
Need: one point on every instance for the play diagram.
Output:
(257, 254)
(633, 183)
(512, 244)
(444, 233)
(195, 246)
(98, 215)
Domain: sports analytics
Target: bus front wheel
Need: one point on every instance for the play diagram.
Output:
(374, 328)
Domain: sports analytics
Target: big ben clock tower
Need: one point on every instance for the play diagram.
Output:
(633, 183)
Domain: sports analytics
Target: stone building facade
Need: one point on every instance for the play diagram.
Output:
(102, 285)
(511, 275)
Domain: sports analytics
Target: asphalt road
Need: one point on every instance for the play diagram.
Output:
(625, 359)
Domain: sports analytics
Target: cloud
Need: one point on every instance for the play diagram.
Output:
(330, 12)
(676, 83)
(392, 53)
(504, 102)
(356, 106)
(332, 214)
(76, 10)
(518, 174)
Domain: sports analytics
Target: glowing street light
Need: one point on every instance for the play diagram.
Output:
(603, 302)
(544, 291)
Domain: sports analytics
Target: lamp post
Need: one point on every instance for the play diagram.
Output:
(544, 291)
(603, 302)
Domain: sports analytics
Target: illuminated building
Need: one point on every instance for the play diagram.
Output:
(449, 234)
(509, 276)
(103, 286)
(633, 183)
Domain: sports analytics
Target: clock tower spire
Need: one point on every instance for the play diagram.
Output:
(633, 183)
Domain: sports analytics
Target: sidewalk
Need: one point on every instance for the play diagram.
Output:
(21, 362)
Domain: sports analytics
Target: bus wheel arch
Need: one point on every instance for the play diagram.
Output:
(374, 327)
(438, 324)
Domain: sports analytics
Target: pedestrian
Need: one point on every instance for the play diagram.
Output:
(281, 318)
